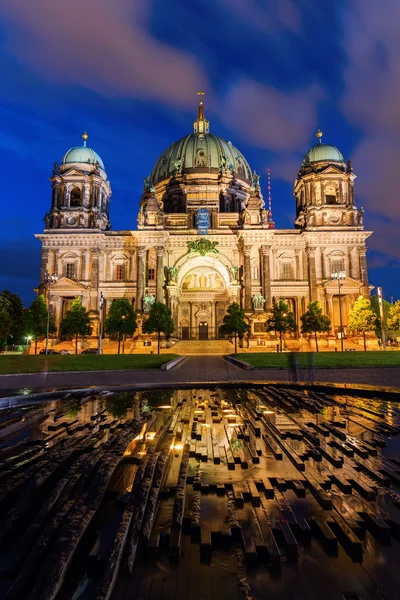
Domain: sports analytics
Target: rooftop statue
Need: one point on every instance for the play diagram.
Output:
(258, 302)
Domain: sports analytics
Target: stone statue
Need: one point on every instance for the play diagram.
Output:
(256, 180)
(147, 184)
(173, 272)
(47, 220)
(258, 302)
(148, 301)
(360, 217)
(225, 164)
(246, 217)
(264, 216)
(234, 272)
(178, 165)
(141, 217)
(56, 169)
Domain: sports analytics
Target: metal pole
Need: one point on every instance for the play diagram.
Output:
(101, 322)
(47, 278)
(380, 302)
(340, 316)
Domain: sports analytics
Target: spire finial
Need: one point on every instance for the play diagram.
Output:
(201, 123)
(85, 137)
(319, 135)
(271, 224)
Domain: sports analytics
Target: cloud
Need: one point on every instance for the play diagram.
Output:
(269, 118)
(267, 17)
(103, 46)
(371, 101)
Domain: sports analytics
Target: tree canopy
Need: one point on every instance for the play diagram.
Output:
(282, 320)
(15, 310)
(121, 319)
(35, 320)
(394, 316)
(362, 317)
(76, 322)
(159, 321)
(314, 321)
(386, 308)
(234, 323)
(5, 319)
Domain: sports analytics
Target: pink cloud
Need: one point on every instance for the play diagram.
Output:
(101, 45)
(270, 118)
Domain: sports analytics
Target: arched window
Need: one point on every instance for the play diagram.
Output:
(337, 264)
(286, 270)
(201, 158)
(330, 194)
(120, 272)
(75, 197)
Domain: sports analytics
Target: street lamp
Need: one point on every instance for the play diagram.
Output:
(340, 275)
(381, 315)
(123, 317)
(48, 280)
(101, 304)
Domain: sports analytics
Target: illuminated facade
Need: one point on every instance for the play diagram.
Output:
(205, 237)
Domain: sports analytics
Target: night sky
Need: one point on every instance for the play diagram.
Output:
(128, 72)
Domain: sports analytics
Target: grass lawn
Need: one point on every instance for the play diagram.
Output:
(86, 362)
(323, 359)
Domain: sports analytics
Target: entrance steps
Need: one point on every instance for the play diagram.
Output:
(189, 347)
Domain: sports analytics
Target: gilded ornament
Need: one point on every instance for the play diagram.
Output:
(203, 246)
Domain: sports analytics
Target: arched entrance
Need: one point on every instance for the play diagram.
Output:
(203, 284)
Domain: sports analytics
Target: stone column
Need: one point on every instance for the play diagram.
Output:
(312, 279)
(141, 254)
(44, 264)
(82, 270)
(355, 264)
(324, 274)
(329, 302)
(363, 271)
(190, 319)
(247, 278)
(160, 274)
(266, 276)
(94, 279)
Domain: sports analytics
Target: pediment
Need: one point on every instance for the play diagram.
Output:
(75, 172)
(331, 170)
(66, 283)
(347, 282)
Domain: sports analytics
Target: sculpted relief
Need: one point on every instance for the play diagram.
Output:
(203, 279)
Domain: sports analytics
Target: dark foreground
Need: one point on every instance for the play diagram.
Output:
(201, 494)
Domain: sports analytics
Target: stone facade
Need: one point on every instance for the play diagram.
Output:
(205, 238)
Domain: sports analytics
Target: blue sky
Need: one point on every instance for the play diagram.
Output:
(128, 72)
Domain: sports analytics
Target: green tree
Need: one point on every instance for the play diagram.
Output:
(234, 323)
(15, 310)
(314, 321)
(394, 316)
(35, 320)
(5, 319)
(362, 317)
(121, 319)
(76, 322)
(159, 321)
(281, 320)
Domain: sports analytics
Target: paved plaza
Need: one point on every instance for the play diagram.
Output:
(198, 369)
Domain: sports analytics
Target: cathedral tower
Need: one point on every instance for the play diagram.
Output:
(324, 190)
(81, 192)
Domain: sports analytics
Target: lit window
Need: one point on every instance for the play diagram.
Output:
(152, 274)
(337, 265)
(70, 270)
(120, 273)
(254, 272)
(286, 270)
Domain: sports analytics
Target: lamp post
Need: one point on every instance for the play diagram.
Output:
(340, 275)
(101, 304)
(49, 280)
(123, 317)
(380, 302)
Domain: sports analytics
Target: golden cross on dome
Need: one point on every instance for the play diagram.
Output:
(201, 94)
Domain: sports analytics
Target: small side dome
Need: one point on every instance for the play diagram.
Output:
(322, 153)
(82, 154)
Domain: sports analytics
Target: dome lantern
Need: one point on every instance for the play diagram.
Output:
(201, 125)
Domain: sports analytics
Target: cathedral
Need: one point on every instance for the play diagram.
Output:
(205, 238)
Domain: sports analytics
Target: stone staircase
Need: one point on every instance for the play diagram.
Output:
(194, 347)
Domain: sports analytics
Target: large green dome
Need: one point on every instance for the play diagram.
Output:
(82, 154)
(201, 152)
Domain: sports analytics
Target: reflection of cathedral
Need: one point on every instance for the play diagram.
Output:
(205, 236)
